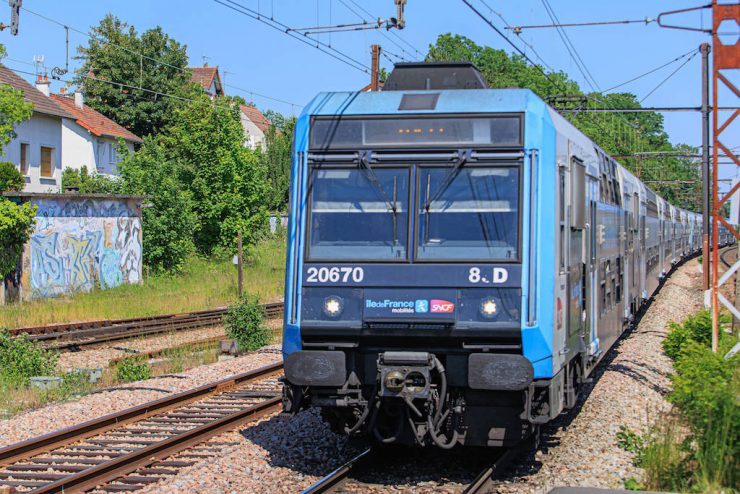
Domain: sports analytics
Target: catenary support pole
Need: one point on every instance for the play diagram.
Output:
(705, 169)
(240, 264)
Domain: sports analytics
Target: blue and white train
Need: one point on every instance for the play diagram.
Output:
(459, 259)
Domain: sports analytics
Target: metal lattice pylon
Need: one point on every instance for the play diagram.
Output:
(726, 60)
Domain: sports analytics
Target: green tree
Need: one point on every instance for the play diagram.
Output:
(113, 55)
(276, 158)
(10, 177)
(90, 183)
(13, 110)
(169, 222)
(226, 180)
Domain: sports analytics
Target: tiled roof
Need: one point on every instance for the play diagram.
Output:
(95, 122)
(205, 76)
(41, 102)
(256, 117)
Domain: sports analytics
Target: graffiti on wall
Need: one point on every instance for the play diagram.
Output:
(81, 244)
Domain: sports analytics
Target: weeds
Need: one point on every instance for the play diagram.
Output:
(245, 322)
(133, 369)
(22, 359)
(629, 440)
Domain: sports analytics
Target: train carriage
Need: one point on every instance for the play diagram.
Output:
(459, 259)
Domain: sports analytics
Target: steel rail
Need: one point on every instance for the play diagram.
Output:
(128, 463)
(47, 442)
(483, 482)
(338, 476)
(72, 335)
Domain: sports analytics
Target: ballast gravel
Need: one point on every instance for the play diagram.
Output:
(580, 448)
(60, 415)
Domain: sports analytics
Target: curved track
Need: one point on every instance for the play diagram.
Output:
(127, 450)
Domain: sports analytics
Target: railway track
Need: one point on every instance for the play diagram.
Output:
(70, 336)
(335, 479)
(726, 254)
(139, 446)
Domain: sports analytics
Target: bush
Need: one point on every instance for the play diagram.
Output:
(697, 327)
(16, 224)
(664, 458)
(21, 359)
(245, 322)
(10, 177)
(89, 183)
(133, 369)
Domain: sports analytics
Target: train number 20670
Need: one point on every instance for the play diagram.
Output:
(335, 274)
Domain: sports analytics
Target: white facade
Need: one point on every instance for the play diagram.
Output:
(37, 132)
(253, 135)
(81, 148)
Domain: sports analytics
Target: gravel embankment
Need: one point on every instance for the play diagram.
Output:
(580, 449)
(56, 416)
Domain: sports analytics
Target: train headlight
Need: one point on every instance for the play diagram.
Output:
(333, 306)
(489, 307)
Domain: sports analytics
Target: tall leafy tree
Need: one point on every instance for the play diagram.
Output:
(226, 180)
(13, 110)
(276, 158)
(116, 53)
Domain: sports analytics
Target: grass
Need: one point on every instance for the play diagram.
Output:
(205, 284)
(16, 396)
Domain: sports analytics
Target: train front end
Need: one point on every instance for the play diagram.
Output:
(414, 269)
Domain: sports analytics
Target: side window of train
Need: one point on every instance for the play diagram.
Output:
(602, 287)
(577, 194)
(563, 201)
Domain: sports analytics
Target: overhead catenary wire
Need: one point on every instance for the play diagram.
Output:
(518, 29)
(279, 26)
(134, 52)
(392, 33)
(650, 71)
(670, 75)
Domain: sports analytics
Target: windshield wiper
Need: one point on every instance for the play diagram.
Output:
(365, 158)
(462, 157)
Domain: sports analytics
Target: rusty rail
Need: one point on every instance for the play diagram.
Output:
(71, 335)
(209, 409)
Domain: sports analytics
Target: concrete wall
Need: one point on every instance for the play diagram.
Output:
(39, 130)
(78, 244)
(81, 148)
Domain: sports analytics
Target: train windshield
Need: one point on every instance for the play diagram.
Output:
(472, 214)
(359, 213)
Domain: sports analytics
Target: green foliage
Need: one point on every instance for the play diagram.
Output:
(21, 359)
(169, 223)
(629, 440)
(705, 389)
(276, 158)
(133, 369)
(618, 135)
(13, 110)
(16, 224)
(89, 183)
(664, 458)
(697, 327)
(142, 112)
(10, 177)
(225, 179)
(632, 484)
(245, 323)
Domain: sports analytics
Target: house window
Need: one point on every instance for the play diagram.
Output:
(25, 158)
(112, 153)
(47, 161)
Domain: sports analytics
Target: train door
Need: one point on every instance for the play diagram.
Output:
(633, 253)
(576, 262)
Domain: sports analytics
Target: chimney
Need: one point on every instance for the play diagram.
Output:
(79, 99)
(42, 84)
(63, 90)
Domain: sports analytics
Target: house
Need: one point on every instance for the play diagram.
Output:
(37, 147)
(255, 126)
(90, 139)
(254, 122)
(209, 79)
(62, 133)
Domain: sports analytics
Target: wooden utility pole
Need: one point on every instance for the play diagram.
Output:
(375, 73)
(240, 264)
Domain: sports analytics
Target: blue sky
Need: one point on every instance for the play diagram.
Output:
(265, 61)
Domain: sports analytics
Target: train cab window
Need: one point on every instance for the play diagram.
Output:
(359, 214)
(471, 215)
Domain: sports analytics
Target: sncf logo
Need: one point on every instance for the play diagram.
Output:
(443, 306)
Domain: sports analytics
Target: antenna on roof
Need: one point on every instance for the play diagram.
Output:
(38, 62)
(205, 58)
